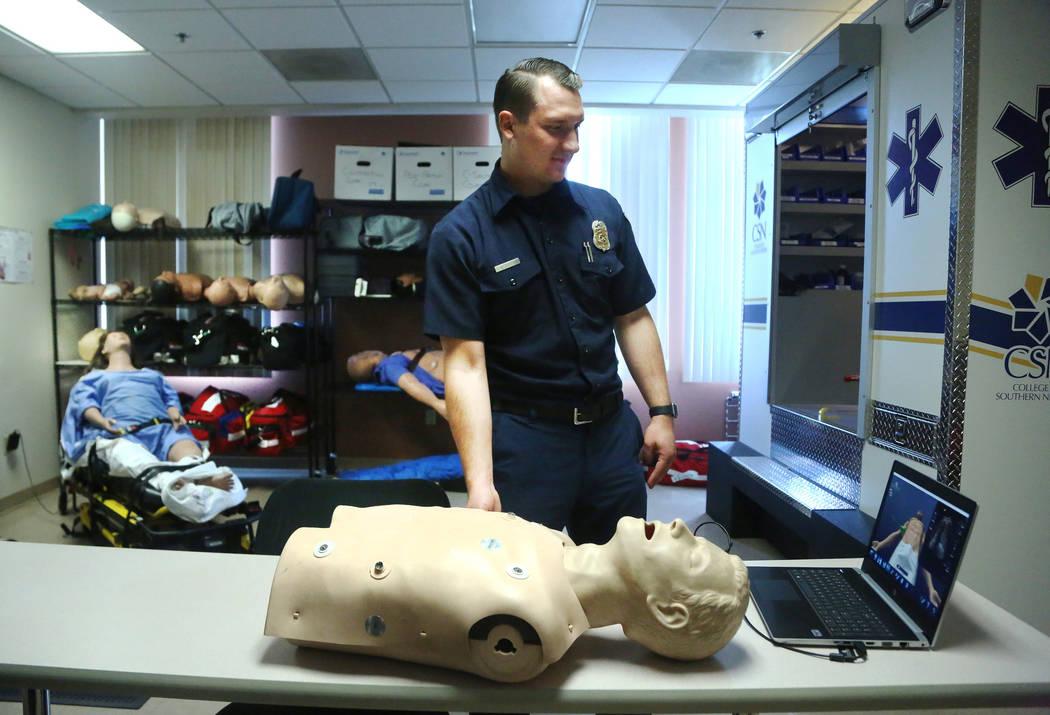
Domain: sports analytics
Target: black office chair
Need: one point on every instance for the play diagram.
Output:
(310, 502)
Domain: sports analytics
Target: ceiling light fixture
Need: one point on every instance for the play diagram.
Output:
(64, 27)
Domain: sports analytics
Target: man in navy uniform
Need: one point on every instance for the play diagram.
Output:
(528, 281)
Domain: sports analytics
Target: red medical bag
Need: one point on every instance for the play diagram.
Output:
(689, 467)
(280, 424)
(217, 420)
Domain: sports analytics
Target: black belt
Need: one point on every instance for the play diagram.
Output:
(571, 414)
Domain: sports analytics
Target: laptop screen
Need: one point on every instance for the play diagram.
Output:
(917, 544)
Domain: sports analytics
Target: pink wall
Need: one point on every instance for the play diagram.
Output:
(701, 405)
(309, 143)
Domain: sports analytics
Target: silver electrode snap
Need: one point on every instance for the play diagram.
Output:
(323, 549)
(517, 571)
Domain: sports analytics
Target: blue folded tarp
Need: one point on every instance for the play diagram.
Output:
(436, 469)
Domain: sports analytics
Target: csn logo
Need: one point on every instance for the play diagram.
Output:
(1031, 306)
(758, 231)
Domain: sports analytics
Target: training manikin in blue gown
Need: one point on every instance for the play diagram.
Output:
(130, 397)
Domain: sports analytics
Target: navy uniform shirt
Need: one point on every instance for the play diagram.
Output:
(515, 273)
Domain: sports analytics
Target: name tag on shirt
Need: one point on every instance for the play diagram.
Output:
(507, 264)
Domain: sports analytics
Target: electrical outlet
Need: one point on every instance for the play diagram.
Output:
(13, 440)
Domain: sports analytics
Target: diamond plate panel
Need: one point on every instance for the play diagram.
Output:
(906, 432)
(960, 243)
(797, 491)
(827, 456)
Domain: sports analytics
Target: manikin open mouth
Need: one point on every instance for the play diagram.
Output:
(650, 529)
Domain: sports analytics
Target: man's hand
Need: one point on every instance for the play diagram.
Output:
(483, 497)
(658, 448)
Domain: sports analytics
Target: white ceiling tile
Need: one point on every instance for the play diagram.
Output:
(105, 6)
(492, 62)
(486, 90)
(293, 28)
(628, 65)
(410, 25)
(528, 22)
(234, 77)
(831, 5)
(653, 27)
(435, 64)
(89, 95)
(674, 3)
(786, 31)
(619, 92)
(402, 2)
(273, 3)
(156, 31)
(355, 92)
(39, 70)
(142, 78)
(706, 95)
(432, 91)
(13, 46)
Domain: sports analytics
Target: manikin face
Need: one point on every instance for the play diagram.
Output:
(537, 151)
(360, 365)
(660, 557)
(115, 341)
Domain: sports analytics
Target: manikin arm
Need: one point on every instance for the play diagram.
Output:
(175, 415)
(888, 540)
(94, 416)
(470, 417)
(640, 344)
(416, 389)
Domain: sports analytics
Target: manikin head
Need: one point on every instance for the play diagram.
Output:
(109, 343)
(686, 597)
(538, 115)
(360, 366)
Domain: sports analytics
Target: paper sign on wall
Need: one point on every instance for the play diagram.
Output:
(16, 255)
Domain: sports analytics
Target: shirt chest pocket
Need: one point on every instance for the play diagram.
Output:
(600, 264)
(510, 275)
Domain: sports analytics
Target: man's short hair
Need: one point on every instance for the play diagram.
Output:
(515, 90)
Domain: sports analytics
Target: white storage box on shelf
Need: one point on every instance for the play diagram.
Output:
(364, 173)
(423, 173)
(471, 167)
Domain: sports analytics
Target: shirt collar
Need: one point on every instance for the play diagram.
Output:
(503, 192)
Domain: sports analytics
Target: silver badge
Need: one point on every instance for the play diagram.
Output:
(601, 236)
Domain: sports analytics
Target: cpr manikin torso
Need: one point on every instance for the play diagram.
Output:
(484, 592)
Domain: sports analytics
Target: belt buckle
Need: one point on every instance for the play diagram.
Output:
(576, 417)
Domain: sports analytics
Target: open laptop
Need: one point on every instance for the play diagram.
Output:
(902, 587)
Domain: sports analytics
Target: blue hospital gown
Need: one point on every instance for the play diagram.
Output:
(391, 368)
(131, 397)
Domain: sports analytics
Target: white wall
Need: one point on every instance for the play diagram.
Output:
(48, 167)
(1005, 466)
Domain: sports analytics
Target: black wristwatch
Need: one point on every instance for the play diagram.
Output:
(671, 409)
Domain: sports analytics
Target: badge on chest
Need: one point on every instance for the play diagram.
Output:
(601, 235)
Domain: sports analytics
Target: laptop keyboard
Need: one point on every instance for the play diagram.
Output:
(838, 605)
